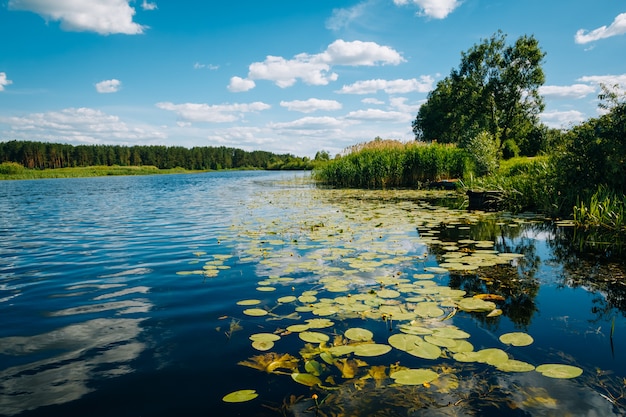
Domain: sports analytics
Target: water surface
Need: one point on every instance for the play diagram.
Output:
(118, 296)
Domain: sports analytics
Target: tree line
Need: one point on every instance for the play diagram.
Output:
(44, 155)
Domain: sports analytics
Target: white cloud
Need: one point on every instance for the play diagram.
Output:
(310, 123)
(380, 116)
(4, 81)
(148, 6)
(286, 72)
(221, 113)
(212, 67)
(79, 125)
(562, 119)
(108, 86)
(607, 80)
(101, 16)
(316, 69)
(618, 27)
(371, 100)
(567, 91)
(311, 105)
(400, 86)
(400, 104)
(238, 84)
(358, 53)
(341, 18)
(438, 9)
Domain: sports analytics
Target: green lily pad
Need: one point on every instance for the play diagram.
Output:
(492, 356)
(515, 366)
(341, 350)
(371, 349)
(428, 309)
(267, 337)
(266, 289)
(313, 367)
(414, 376)
(440, 341)
(450, 333)
(358, 334)
(387, 293)
(262, 345)
(516, 339)
(248, 302)
(559, 371)
(314, 337)
(240, 396)
(297, 328)
(476, 305)
(287, 299)
(436, 270)
(257, 312)
(319, 323)
(306, 379)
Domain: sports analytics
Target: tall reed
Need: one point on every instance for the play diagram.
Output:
(384, 163)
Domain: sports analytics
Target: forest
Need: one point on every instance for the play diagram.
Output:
(44, 155)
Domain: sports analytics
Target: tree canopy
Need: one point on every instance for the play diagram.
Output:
(494, 90)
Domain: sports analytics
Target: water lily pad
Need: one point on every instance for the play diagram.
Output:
(268, 337)
(287, 299)
(476, 305)
(440, 341)
(341, 350)
(297, 328)
(436, 270)
(451, 333)
(314, 337)
(266, 289)
(559, 371)
(414, 376)
(513, 365)
(358, 334)
(371, 349)
(492, 356)
(313, 367)
(428, 309)
(306, 379)
(387, 293)
(516, 339)
(319, 323)
(262, 345)
(248, 302)
(258, 312)
(240, 396)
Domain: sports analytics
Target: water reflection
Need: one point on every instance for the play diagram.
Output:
(94, 349)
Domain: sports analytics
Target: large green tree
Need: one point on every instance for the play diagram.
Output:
(494, 90)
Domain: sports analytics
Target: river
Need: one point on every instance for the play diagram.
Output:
(138, 296)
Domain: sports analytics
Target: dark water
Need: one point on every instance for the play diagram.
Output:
(102, 314)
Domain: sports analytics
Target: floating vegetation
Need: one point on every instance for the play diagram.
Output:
(380, 308)
(240, 396)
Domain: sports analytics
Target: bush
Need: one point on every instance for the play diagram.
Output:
(11, 168)
(483, 151)
(510, 149)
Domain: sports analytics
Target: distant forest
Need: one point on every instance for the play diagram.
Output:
(42, 155)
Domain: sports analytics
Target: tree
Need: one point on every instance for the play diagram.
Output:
(494, 90)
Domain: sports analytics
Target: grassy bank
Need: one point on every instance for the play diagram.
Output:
(13, 171)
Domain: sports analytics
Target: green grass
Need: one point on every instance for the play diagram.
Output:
(13, 171)
(388, 164)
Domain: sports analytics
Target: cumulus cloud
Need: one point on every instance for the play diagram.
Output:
(438, 9)
(399, 86)
(220, 113)
(148, 6)
(562, 119)
(567, 91)
(380, 116)
(316, 69)
(310, 123)
(238, 84)
(4, 81)
(101, 16)
(607, 80)
(79, 125)
(371, 100)
(108, 86)
(311, 105)
(618, 27)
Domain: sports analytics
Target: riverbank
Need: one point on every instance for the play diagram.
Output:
(12, 171)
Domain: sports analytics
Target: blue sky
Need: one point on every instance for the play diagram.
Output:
(281, 75)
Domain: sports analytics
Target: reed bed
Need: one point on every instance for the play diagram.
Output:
(389, 164)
